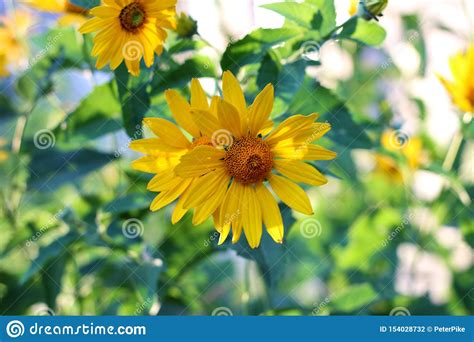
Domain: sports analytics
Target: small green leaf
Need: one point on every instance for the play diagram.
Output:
(363, 31)
(254, 46)
(353, 298)
(134, 97)
(300, 13)
(98, 114)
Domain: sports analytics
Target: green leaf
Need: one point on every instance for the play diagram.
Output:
(129, 203)
(353, 298)
(412, 29)
(254, 46)
(325, 20)
(134, 97)
(180, 75)
(269, 256)
(56, 250)
(63, 167)
(363, 31)
(300, 13)
(98, 114)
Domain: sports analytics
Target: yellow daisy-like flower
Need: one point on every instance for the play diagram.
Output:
(230, 178)
(164, 152)
(461, 88)
(73, 14)
(3, 154)
(130, 30)
(13, 48)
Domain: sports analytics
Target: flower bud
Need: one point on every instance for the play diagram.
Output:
(372, 9)
(186, 26)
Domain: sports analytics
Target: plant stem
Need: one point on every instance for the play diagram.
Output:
(453, 151)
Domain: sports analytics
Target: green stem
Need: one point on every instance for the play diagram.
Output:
(453, 151)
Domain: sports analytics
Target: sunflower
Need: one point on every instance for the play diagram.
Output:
(164, 152)
(130, 30)
(70, 13)
(230, 177)
(461, 88)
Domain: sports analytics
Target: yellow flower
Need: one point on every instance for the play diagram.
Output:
(461, 88)
(163, 153)
(13, 48)
(130, 30)
(3, 154)
(73, 14)
(397, 142)
(353, 7)
(230, 178)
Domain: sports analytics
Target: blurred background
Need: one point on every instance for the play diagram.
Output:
(393, 231)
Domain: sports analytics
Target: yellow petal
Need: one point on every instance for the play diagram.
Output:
(290, 128)
(271, 213)
(179, 210)
(166, 197)
(207, 122)
(229, 118)
(155, 146)
(260, 110)
(230, 212)
(233, 93)
(151, 164)
(181, 111)
(291, 194)
(198, 96)
(201, 160)
(168, 132)
(299, 171)
(205, 187)
(211, 204)
(304, 152)
(223, 230)
(164, 181)
(251, 217)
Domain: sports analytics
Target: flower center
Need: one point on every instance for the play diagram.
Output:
(249, 160)
(201, 141)
(132, 17)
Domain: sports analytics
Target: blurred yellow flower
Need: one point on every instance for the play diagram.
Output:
(130, 30)
(398, 142)
(354, 4)
(230, 177)
(461, 88)
(13, 32)
(3, 154)
(73, 14)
